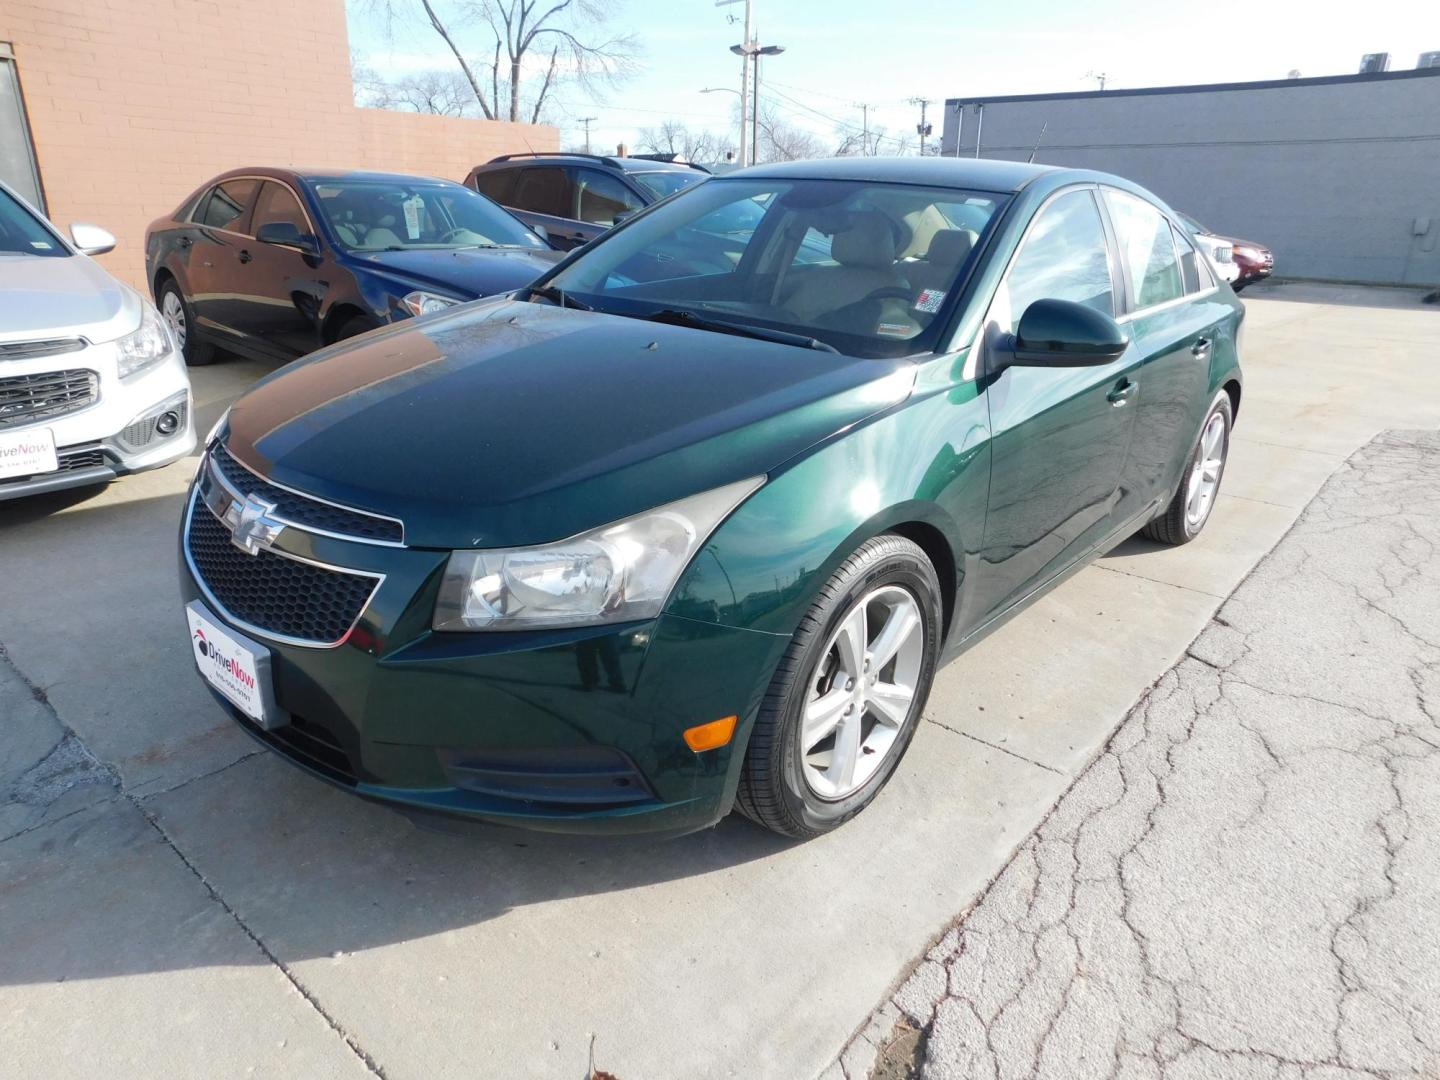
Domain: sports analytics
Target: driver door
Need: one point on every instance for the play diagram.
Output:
(1060, 436)
(279, 289)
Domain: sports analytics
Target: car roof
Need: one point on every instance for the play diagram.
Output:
(319, 175)
(625, 164)
(977, 174)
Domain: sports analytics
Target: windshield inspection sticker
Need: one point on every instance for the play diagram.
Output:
(929, 301)
(890, 329)
(413, 206)
(43, 245)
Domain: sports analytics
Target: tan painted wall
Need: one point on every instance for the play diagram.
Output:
(135, 103)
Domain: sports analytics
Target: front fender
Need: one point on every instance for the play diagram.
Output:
(924, 462)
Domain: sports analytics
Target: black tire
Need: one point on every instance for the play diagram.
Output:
(197, 351)
(1175, 526)
(354, 326)
(773, 790)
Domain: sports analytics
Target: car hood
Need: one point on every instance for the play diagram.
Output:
(52, 297)
(471, 271)
(510, 423)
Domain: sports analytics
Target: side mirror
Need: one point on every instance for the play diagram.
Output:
(91, 239)
(1062, 333)
(287, 234)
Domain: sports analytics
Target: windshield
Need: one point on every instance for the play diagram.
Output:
(21, 233)
(661, 184)
(869, 269)
(368, 215)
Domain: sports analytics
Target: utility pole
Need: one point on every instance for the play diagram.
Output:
(1099, 77)
(922, 129)
(746, 52)
(587, 121)
(864, 127)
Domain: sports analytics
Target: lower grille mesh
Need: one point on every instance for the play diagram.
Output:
(273, 593)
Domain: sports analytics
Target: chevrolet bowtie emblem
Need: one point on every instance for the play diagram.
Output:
(251, 526)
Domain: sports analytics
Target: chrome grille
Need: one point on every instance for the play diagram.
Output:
(305, 512)
(28, 350)
(272, 593)
(25, 399)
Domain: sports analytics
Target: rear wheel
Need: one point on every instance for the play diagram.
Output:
(847, 697)
(179, 317)
(1194, 502)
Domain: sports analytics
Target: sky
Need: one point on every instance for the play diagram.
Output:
(842, 53)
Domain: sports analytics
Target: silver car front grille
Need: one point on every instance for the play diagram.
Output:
(24, 399)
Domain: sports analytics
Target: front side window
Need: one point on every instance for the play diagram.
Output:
(278, 203)
(834, 260)
(404, 215)
(22, 233)
(544, 191)
(602, 197)
(1063, 257)
(1146, 248)
(227, 204)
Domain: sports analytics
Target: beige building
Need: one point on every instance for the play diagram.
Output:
(111, 111)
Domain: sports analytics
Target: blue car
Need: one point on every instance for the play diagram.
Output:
(275, 263)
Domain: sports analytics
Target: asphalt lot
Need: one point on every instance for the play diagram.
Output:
(175, 903)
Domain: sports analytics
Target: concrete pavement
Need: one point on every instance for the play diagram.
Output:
(183, 900)
(1246, 882)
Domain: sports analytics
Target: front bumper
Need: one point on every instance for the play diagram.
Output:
(569, 730)
(115, 435)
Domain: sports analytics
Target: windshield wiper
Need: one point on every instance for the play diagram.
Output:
(558, 296)
(680, 317)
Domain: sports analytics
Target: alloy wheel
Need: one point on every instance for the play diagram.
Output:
(1205, 473)
(173, 312)
(863, 692)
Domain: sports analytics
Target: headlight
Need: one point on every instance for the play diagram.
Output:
(148, 344)
(423, 303)
(615, 573)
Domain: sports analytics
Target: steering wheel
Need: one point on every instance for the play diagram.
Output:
(845, 316)
(451, 235)
(887, 292)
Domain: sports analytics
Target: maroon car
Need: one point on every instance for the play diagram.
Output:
(1255, 261)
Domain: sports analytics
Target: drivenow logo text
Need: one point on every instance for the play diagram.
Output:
(227, 665)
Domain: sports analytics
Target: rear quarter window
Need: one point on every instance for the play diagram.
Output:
(496, 184)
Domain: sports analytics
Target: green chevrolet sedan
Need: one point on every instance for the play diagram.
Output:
(689, 524)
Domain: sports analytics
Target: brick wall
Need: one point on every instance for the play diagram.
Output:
(135, 103)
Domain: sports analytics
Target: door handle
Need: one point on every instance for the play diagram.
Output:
(185, 241)
(1201, 347)
(1122, 393)
(244, 255)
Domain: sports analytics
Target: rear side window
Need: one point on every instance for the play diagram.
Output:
(1189, 262)
(227, 204)
(544, 191)
(497, 184)
(602, 196)
(278, 203)
(1147, 250)
(1064, 257)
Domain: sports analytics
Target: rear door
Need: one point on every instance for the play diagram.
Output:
(1173, 326)
(213, 271)
(1060, 436)
(279, 289)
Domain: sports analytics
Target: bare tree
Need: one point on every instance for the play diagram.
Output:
(675, 137)
(781, 140)
(444, 93)
(537, 45)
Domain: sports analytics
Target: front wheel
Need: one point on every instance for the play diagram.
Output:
(1194, 501)
(180, 318)
(847, 696)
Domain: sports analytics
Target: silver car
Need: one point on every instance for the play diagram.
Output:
(92, 385)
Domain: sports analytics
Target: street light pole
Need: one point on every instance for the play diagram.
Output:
(745, 52)
(753, 49)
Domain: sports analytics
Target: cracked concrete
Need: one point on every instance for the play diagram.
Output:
(174, 904)
(1246, 881)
